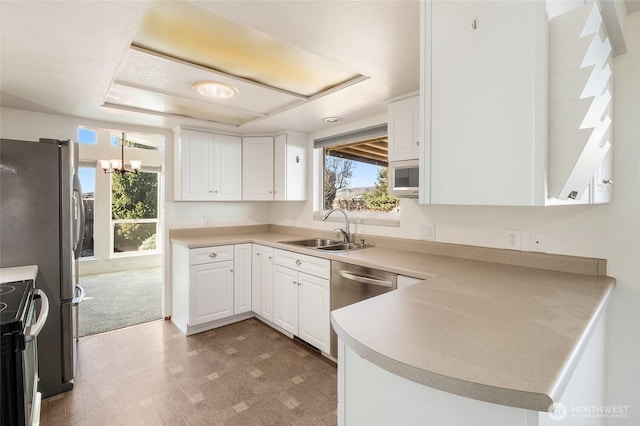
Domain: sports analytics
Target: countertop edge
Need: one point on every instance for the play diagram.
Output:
(537, 401)
(478, 391)
(18, 273)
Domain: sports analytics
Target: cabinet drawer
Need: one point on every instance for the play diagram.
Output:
(303, 263)
(210, 254)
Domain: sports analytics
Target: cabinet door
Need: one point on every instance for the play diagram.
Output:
(257, 161)
(290, 167)
(227, 165)
(211, 292)
(313, 310)
(285, 298)
(488, 102)
(195, 152)
(267, 283)
(242, 278)
(403, 129)
(256, 279)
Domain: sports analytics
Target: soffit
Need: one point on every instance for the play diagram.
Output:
(373, 151)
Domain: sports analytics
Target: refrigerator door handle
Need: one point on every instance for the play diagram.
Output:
(33, 330)
(76, 300)
(78, 217)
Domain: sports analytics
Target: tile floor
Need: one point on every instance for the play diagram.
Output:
(242, 374)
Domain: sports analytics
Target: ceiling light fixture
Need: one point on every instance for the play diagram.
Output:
(117, 166)
(331, 119)
(214, 89)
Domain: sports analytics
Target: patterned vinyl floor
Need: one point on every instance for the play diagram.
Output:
(242, 374)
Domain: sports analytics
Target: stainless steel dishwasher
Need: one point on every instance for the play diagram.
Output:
(351, 284)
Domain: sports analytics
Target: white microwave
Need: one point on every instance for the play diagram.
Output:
(404, 178)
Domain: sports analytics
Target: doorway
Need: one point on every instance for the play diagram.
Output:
(120, 268)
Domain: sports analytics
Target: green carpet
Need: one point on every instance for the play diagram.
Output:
(120, 299)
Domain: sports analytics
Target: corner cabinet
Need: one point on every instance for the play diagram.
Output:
(262, 281)
(301, 297)
(275, 169)
(290, 167)
(207, 166)
(211, 286)
(257, 162)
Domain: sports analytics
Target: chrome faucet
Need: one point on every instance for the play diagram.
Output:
(346, 233)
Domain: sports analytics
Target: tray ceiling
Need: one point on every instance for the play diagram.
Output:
(178, 44)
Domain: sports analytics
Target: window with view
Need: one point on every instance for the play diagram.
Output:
(134, 212)
(356, 177)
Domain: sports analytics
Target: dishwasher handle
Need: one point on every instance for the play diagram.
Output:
(364, 280)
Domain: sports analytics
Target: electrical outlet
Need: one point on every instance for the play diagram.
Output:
(428, 232)
(207, 220)
(512, 239)
(537, 241)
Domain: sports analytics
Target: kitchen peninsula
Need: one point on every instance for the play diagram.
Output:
(492, 327)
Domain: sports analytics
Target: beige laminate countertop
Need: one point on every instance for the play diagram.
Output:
(505, 334)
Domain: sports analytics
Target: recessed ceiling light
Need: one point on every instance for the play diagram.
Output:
(214, 89)
(332, 119)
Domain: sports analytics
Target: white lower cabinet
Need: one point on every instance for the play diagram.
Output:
(242, 278)
(211, 286)
(301, 297)
(262, 281)
(285, 302)
(211, 292)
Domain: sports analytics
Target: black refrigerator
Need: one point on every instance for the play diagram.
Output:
(41, 223)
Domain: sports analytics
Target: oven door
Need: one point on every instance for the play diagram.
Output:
(30, 359)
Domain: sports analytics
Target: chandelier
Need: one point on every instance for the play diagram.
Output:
(117, 166)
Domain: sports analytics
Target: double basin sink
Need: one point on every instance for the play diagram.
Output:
(326, 244)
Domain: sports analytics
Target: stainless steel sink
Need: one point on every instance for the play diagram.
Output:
(313, 243)
(326, 244)
(340, 247)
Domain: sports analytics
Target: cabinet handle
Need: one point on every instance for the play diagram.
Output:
(298, 262)
(607, 181)
(257, 254)
(215, 192)
(270, 192)
(294, 283)
(231, 270)
(418, 143)
(270, 257)
(212, 255)
(299, 283)
(210, 192)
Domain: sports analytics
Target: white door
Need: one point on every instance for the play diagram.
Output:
(227, 160)
(313, 309)
(211, 292)
(242, 278)
(257, 163)
(403, 129)
(285, 298)
(256, 279)
(267, 283)
(195, 165)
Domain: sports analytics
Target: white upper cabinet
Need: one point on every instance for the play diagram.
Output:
(275, 169)
(402, 120)
(257, 161)
(290, 167)
(580, 105)
(514, 110)
(208, 166)
(484, 86)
